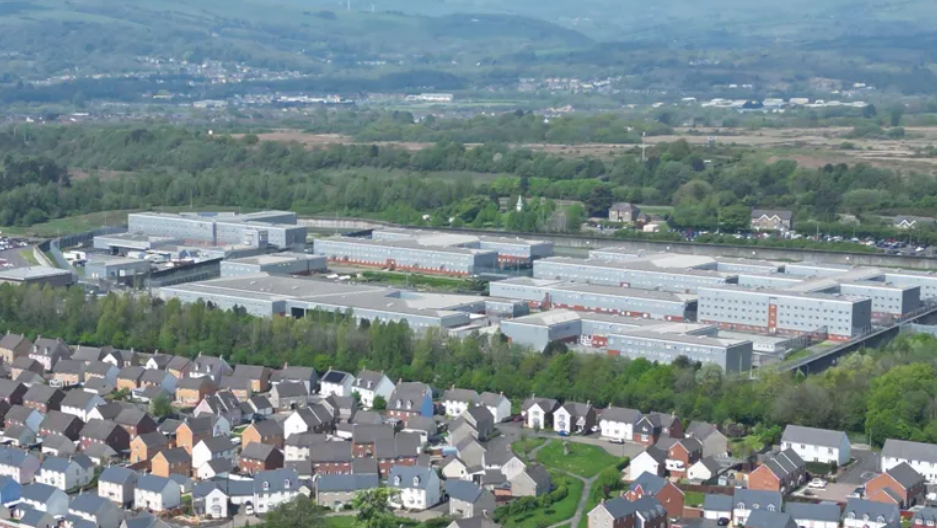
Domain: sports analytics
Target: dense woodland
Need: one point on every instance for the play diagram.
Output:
(892, 392)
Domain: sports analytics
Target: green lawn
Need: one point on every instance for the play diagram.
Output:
(526, 446)
(557, 512)
(693, 498)
(583, 460)
(29, 257)
(340, 521)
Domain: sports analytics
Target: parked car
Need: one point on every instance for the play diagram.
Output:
(857, 493)
(616, 441)
(817, 483)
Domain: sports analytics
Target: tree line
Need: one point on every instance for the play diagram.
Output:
(889, 393)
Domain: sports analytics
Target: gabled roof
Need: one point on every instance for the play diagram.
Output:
(118, 475)
(368, 379)
(491, 399)
(710, 464)
(717, 502)
(409, 477)
(153, 483)
(39, 492)
(133, 372)
(307, 440)
(61, 464)
(58, 421)
(61, 444)
(99, 429)
(463, 490)
(798, 434)
(91, 504)
(36, 518)
(153, 439)
(905, 475)
(353, 482)
(202, 383)
(176, 455)
(154, 376)
(783, 463)
(408, 396)
(267, 428)
(25, 363)
(577, 410)
(876, 511)
(16, 342)
(50, 347)
(770, 519)
(42, 394)
(276, 481)
(8, 388)
(19, 413)
(78, 398)
(251, 372)
(69, 366)
(748, 498)
(460, 395)
(648, 507)
(905, 450)
(336, 377)
(291, 389)
(826, 512)
(221, 465)
(649, 482)
(364, 466)
(89, 353)
(294, 374)
(330, 452)
(701, 430)
(218, 444)
(372, 418)
(132, 417)
(179, 363)
(547, 404)
(621, 415)
(99, 368)
(257, 451)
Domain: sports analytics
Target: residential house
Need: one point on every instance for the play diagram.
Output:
(129, 377)
(619, 512)
(923, 518)
(156, 494)
(43, 398)
(143, 520)
(681, 454)
(99, 386)
(256, 408)
(239, 387)
(24, 364)
(472, 454)
(57, 422)
(337, 491)
(669, 495)
(330, 458)
(30, 378)
(538, 412)
(427, 428)
(258, 376)
(466, 500)
(96, 509)
(109, 410)
(289, 396)
(80, 403)
(214, 469)
(211, 448)
(167, 462)
(12, 392)
(617, 423)
(145, 447)
(157, 361)
(860, 513)
(135, 421)
(89, 354)
(336, 383)
(258, 457)
(453, 468)
(766, 519)
(900, 485)
(18, 464)
(298, 446)
(10, 490)
(652, 460)
(457, 401)
(211, 367)
(105, 433)
(650, 428)
(715, 444)
(417, 487)
(920, 456)
(37, 519)
(316, 418)
(305, 375)
(817, 445)
(68, 373)
(116, 484)
(194, 430)
(808, 515)
(782, 472)
(179, 367)
(480, 420)
(101, 370)
(704, 470)
(623, 212)
(121, 358)
(745, 501)
(44, 498)
(27, 417)
(768, 220)
(410, 399)
(223, 403)
(533, 481)
(158, 378)
(718, 507)
(268, 432)
(66, 473)
(58, 445)
(13, 346)
(573, 417)
(370, 384)
(191, 391)
(49, 352)
(272, 488)
(210, 498)
(497, 404)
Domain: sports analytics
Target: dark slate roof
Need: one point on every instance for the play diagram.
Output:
(34, 518)
(78, 398)
(460, 395)
(905, 475)
(61, 444)
(410, 477)
(368, 379)
(118, 475)
(331, 452)
(619, 507)
(750, 497)
(768, 519)
(100, 451)
(621, 414)
(268, 427)
(253, 372)
(276, 481)
(153, 439)
(294, 374)
(784, 463)
(925, 515)
(353, 482)
(131, 417)
(335, 376)
(19, 413)
(798, 434)
(11, 341)
(649, 507)
(69, 366)
(291, 389)
(99, 368)
(90, 503)
(700, 430)
(221, 464)
(98, 429)
(408, 396)
(153, 483)
(372, 418)
(132, 372)
(39, 492)
(26, 363)
(546, 404)
(8, 387)
(257, 451)
(176, 455)
(364, 466)
(168, 426)
(307, 439)
(463, 490)
(28, 377)
(218, 444)
(58, 421)
(178, 363)
(649, 482)
(88, 353)
(41, 394)
(99, 386)
(828, 512)
(717, 502)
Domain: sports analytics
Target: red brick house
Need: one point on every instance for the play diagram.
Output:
(782, 472)
(682, 454)
(105, 432)
(260, 457)
(900, 485)
(669, 495)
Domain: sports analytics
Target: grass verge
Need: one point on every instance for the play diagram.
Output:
(523, 447)
(583, 459)
(556, 512)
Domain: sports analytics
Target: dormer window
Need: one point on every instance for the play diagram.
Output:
(266, 485)
(740, 506)
(865, 516)
(397, 480)
(756, 506)
(771, 507)
(399, 404)
(416, 481)
(880, 519)
(409, 405)
(286, 484)
(851, 515)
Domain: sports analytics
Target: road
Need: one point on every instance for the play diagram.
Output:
(864, 468)
(513, 431)
(14, 256)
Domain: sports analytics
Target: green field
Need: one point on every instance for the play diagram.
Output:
(557, 512)
(583, 460)
(341, 521)
(693, 499)
(527, 445)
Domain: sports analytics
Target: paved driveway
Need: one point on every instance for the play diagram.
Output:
(863, 469)
(512, 431)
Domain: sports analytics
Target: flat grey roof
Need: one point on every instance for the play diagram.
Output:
(415, 244)
(635, 265)
(275, 258)
(32, 272)
(783, 293)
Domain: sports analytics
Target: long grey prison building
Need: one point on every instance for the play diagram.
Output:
(699, 262)
(636, 338)
(407, 255)
(286, 263)
(510, 250)
(265, 296)
(838, 317)
(276, 228)
(639, 273)
(631, 302)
